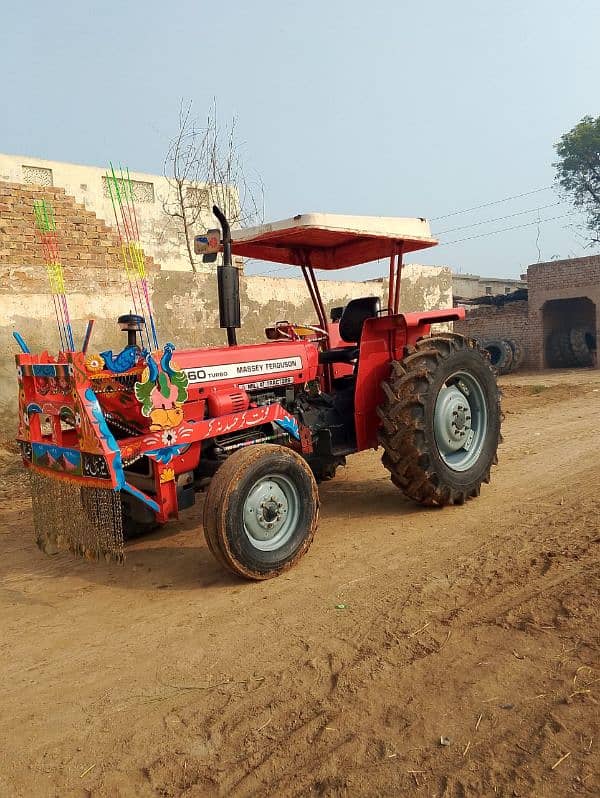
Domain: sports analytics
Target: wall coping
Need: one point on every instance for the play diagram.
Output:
(590, 260)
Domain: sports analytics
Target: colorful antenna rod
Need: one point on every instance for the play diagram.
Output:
(46, 225)
(122, 197)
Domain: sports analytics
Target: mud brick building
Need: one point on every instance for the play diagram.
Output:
(561, 294)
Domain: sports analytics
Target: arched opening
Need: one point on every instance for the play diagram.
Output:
(569, 333)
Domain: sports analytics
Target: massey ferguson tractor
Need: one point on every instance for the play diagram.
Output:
(117, 444)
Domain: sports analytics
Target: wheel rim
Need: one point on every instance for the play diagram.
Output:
(460, 421)
(271, 512)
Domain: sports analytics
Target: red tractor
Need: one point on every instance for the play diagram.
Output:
(118, 444)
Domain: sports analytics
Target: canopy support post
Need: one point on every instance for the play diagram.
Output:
(391, 281)
(315, 295)
(399, 265)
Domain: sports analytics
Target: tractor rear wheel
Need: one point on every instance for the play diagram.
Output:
(261, 511)
(441, 420)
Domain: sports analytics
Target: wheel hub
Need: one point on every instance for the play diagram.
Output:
(270, 512)
(460, 421)
(452, 419)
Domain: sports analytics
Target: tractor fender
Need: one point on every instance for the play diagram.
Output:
(419, 323)
(383, 340)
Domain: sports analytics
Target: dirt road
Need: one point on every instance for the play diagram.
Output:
(403, 626)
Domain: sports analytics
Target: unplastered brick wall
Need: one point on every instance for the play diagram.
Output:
(562, 293)
(83, 239)
(576, 278)
(564, 276)
(97, 287)
(511, 320)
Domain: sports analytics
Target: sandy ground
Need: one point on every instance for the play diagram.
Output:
(402, 626)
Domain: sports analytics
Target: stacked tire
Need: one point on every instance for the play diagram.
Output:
(506, 354)
(572, 348)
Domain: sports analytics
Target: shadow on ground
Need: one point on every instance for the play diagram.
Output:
(175, 556)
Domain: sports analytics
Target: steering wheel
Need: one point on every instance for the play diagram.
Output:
(285, 329)
(300, 328)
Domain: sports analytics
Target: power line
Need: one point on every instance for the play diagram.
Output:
(273, 270)
(495, 202)
(499, 218)
(506, 229)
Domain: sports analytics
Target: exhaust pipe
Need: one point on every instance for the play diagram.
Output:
(228, 280)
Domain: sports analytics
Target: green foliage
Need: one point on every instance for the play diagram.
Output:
(578, 170)
(535, 389)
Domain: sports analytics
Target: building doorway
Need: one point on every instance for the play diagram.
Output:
(569, 333)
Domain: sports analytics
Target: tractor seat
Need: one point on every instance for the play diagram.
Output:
(356, 312)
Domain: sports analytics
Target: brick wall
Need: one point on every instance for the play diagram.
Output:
(564, 275)
(509, 321)
(562, 294)
(577, 278)
(84, 240)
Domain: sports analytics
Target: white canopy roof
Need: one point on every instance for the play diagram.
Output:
(331, 241)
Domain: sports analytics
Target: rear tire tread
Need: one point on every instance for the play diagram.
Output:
(403, 422)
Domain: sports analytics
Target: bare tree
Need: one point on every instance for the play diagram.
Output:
(204, 167)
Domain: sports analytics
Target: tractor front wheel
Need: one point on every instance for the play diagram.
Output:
(261, 511)
(441, 420)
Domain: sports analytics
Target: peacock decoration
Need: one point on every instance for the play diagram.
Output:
(162, 391)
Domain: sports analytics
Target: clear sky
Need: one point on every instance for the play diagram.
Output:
(392, 108)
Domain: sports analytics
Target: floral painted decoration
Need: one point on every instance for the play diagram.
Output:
(169, 437)
(168, 475)
(94, 363)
